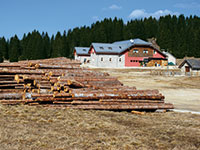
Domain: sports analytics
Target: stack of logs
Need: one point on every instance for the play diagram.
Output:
(61, 82)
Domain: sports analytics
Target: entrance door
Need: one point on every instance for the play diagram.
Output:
(187, 69)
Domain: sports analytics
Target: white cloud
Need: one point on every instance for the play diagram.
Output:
(141, 13)
(193, 5)
(112, 7)
(115, 7)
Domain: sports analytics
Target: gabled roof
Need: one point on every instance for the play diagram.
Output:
(114, 48)
(133, 42)
(82, 50)
(193, 63)
(120, 46)
(109, 48)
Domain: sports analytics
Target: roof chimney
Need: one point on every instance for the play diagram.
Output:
(132, 41)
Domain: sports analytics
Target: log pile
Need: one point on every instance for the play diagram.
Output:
(61, 82)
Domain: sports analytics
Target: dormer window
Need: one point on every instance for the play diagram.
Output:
(84, 50)
(110, 48)
(101, 47)
(145, 51)
(135, 51)
(120, 47)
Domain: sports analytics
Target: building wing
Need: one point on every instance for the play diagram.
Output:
(82, 50)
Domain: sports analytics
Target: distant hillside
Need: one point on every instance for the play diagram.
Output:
(178, 35)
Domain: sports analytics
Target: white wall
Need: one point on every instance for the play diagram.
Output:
(171, 58)
(96, 60)
(193, 72)
(183, 67)
(82, 58)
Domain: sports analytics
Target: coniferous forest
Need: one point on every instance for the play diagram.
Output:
(178, 35)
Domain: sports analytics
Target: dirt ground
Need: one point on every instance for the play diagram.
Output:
(183, 92)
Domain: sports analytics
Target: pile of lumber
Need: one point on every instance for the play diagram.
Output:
(61, 82)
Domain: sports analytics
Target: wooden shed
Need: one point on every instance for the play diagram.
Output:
(190, 66)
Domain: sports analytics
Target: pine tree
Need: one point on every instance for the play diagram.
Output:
(57, 49)
(4, 48)
(47, 45)
(14, 49)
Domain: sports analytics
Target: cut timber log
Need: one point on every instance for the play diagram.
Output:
(11, 95)
(116, 107)
(60, 82)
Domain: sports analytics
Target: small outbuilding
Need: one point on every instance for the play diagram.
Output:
(171, 58)
(190, 66)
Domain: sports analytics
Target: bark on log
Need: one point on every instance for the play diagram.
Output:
(11, 95)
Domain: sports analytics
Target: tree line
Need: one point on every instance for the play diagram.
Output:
(177, 35)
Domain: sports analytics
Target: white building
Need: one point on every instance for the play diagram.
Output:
(81, 54)
(170, 57)
(190, 66)
(128, 53)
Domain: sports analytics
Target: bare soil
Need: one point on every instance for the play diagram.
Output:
(182, 91)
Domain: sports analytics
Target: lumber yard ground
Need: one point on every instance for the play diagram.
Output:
(182, 91)
(25, 127)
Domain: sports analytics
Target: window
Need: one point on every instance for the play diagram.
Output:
(135, 51)
(134, 60)
(145, 51)
(110, 48)
(154, 52)
(110, 59)
(101, 47)
(120, 59)
(84, 50)
(101, 58)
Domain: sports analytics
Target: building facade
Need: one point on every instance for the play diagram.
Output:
(129, 53)
(81, 54)
(190, 66)
(171, 58)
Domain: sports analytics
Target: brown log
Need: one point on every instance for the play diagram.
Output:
(45, 66)
(12, 71)
(7, 76)
(112, 102)
(15, 101)
(11, 86)
(137, 112)
(116, 107)
(11, 95)
(11, 90)
(10, 82)
(42, 95)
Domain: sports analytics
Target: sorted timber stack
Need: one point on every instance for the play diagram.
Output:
(61, 82)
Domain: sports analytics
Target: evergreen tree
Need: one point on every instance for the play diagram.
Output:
(14, 49)
(57, 49)
(47, 45)
(3, 49)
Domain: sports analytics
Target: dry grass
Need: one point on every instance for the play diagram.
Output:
(25, 127)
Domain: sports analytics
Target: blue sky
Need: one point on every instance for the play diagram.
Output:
(23, 16)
